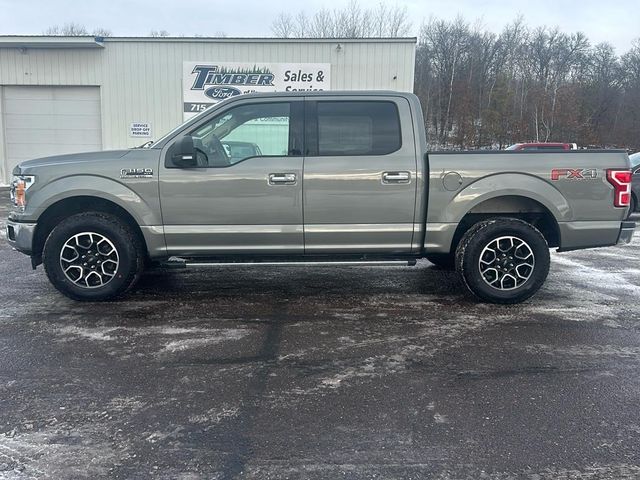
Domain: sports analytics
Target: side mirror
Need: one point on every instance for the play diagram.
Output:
(185, 153)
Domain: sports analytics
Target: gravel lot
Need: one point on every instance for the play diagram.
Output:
(309, 373)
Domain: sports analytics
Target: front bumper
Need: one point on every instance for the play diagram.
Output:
(626, 232)
(20, 236)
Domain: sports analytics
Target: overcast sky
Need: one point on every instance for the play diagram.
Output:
(617, 21)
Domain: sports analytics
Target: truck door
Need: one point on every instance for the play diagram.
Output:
(245, 194)
(359, 179)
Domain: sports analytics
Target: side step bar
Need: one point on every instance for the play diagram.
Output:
(181, 263)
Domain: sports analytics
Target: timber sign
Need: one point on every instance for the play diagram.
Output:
(205, 84)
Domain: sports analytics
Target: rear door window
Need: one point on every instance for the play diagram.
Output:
(357, 128)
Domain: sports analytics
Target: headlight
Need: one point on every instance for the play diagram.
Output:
(19, 186)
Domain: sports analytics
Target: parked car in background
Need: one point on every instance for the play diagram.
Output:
(543, 146)
(635, 185)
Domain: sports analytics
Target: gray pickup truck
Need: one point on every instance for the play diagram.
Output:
(341, 178)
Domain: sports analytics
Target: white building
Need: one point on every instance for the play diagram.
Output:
(71, 94)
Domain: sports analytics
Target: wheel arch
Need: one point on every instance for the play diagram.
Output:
(511, 206)
(66, 207)
(509, 185)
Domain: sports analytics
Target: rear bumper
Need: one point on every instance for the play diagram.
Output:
(593, 234)
(20, 236)
(626, 232)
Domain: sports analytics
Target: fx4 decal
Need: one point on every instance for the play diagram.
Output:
(574, 173)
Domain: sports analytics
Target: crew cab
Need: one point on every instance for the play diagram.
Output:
(335, 178)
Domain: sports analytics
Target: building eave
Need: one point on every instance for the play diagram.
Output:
(38, 41)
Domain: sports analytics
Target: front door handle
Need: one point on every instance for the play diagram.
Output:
(396, 177)
(282, 179)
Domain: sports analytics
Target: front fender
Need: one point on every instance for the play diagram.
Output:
(144, 209)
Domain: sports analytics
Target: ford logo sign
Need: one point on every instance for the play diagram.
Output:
(220, 93)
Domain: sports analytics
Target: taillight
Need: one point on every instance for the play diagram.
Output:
(621, 181)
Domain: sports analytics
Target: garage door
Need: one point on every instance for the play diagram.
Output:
(42, 121)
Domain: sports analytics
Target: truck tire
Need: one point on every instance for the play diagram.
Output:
(446, 261)
(93, 256)
(503, 260)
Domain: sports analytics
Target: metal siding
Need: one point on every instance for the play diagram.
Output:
(141, 79)
(4, 165)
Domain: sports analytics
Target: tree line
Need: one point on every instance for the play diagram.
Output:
(73, 29)
(480, 89)
(485, 90)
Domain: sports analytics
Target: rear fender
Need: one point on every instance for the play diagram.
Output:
(508, 184)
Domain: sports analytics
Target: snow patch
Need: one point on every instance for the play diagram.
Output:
(586, 350)
(614, 281)
(220, 336)
(438, 418)
(100, 334)
(215, 415)
(56, 454)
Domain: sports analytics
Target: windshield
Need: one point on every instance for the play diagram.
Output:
(635, 159)
(178, 128)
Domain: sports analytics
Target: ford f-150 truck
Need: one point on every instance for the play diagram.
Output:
(341, 178)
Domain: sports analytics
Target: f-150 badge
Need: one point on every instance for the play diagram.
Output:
(136, 173)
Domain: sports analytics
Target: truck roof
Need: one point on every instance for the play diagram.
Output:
(328, 93)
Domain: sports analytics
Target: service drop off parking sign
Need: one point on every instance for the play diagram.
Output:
(205, 83)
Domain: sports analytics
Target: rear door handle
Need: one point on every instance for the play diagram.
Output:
(282, 179)
(396, 177)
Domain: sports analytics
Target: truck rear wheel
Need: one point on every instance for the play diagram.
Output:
(503, 260)
(93, 256)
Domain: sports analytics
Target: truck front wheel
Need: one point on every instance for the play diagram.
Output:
(503, 260)
(92, 256)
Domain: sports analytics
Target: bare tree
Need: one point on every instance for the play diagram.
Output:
(68, 29)
(76, 30)
(101, 32)
(447, 44)
(397, 22)
(158, 33)
(283, 25)
(322, 24)
(352, 21)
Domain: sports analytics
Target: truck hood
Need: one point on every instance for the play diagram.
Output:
(71, 158)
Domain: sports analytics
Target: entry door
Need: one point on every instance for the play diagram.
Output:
(246, 193)
(359, 177)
